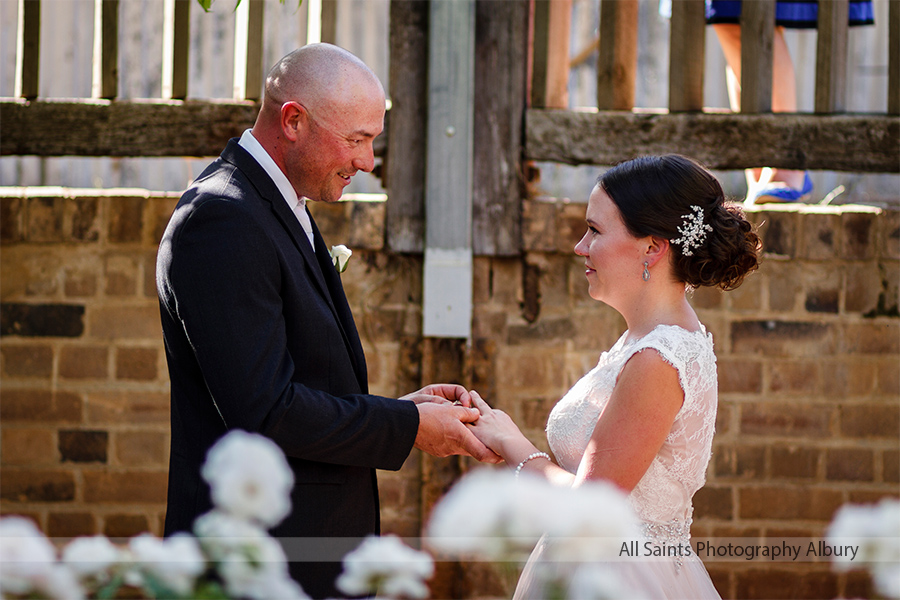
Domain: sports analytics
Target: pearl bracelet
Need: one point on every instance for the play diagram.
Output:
(530, 457)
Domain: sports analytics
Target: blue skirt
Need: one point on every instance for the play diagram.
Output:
(793, 14)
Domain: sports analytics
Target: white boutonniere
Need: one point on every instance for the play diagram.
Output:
(340, 256)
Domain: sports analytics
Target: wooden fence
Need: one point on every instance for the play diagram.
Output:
(520, 68)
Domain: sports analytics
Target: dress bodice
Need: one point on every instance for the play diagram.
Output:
(662, 498)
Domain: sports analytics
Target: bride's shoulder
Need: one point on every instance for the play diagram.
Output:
(677, 343)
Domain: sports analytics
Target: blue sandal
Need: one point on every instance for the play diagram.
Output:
(783, 193)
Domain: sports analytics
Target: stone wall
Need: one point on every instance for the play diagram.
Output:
(808, 352)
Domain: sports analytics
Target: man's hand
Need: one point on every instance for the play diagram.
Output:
(441, 393)
(442, 432)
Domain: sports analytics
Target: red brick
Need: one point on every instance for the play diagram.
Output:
(125, 526)
(570, 226)
(786, 419)
(788, 503)
(83, 446)
(746, 462)
(862, 288)
(126, 220)
(12, 220)
(84, 216)
(783, 338)
(872, 338)
(858, 235)
(777, 583)
(779, 234)
(858, 585)
(27, 361)
(138, 364)
(748, 297)
(794, 376)
(27, 446)
(792, 462)
(84, 362)
(80, 284)
(871, 421)
(142, 448)
(161, 210)
(713, 502)
(150, 275)
(889, 377)
(785, 284)
(849, 464)
(890, 461)
(125, 322)
(138, 487)
(41, 406)
(739, 376)
(37, 485)
(45, 219)
(127, 407)
(706, 297)
(819, 240)
(71, 524)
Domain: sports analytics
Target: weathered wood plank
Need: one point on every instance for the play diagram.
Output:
(329, 21)
(105, 79)
(125, 128)
(831, 57)
(550, 53)
(856, 143)
(176, 47)
(687, 43)
(500, 72)
(404, 166)
(617, 63)
(757, 48)
(28, 49)
(248, 50)
(894, 57)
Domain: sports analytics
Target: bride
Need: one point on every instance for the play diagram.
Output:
(644, 417)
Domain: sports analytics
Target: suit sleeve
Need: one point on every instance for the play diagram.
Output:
(223, 284)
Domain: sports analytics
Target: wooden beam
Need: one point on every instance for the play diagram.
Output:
(687, 55)
(28, 49)
(125, 127)
(617, 63)
(404, 165)
(500, 70)
(447, 281)
(105, 77)
(894, 57)
(329, 21)
(550, 53)
(757, 48)
(855, 143)
(176, 48)
(831, 57)
(248, 50)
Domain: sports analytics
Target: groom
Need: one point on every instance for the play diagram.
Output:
(258, 332)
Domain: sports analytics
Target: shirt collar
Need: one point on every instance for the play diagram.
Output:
(252, 145)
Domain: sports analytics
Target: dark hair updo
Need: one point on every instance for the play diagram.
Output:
(654, 195)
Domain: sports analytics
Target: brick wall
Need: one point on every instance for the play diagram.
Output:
(808, 350)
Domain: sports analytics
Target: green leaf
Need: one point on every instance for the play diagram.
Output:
(206, 4)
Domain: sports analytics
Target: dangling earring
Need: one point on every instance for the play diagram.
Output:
(646, 274)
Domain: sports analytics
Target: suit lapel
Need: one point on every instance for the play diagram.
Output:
(318, 263)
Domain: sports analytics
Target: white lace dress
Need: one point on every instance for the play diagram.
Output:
(662, 498)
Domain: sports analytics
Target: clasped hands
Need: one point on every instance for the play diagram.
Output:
(453, 420)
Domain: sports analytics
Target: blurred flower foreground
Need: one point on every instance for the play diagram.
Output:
(488, 515)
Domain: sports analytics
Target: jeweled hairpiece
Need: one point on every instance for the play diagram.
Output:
(693, 231)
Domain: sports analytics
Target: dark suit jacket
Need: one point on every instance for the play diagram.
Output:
(259, 337)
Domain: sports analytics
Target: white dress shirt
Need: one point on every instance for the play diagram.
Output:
(297, 205)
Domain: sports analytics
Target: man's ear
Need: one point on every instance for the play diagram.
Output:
(293, 119)
(656, 249)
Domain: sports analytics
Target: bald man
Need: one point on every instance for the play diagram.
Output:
(258, 332)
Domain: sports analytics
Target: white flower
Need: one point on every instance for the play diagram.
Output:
(386, 566)
(246, 557)
(175, 562)
(26, 555)
(873, 529)
(92, 557)
(340, 256)
(491, 514)
(283, 588)
(249, 477)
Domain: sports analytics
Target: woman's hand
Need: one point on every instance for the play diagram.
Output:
(495, 428)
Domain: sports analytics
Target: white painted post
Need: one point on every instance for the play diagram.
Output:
(447, 302)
